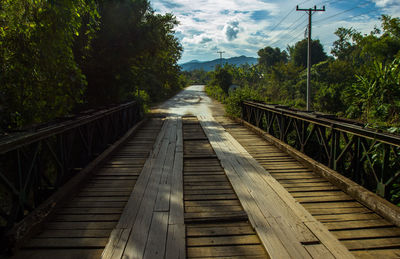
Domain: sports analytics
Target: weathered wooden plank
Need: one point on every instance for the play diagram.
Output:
(208, 187)
(86, 217)
(136, 244)
(322, 205)
(219, 231)
(367, 233)
(211, 192)
(215, 216)
(223, 240)
(340, 197)
(104, 194)
(164, 187)
(157, 237)
(319, 251)
(69, 242)
(376, 243)
(60, 254)
(336, 211)
(347, 217)
(212, 203)
(90, 210)
(316, 194)
(311, 188)
(217, 251)
(111, 198)
(75, 233)
(373, 254)
(210, 178)
(175, 247)
(98, 204)
(81, 225)
(358, 224)
(213, 208)
(199, 197)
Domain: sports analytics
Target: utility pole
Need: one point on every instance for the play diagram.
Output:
(220, 56)
(310, 12)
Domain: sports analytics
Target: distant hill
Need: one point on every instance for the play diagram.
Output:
(210, 65)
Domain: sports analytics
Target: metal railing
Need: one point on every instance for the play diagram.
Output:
(33, 165)
(368, 157)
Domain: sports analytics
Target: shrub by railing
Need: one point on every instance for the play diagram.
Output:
(33, 165)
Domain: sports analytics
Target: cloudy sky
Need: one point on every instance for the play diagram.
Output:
(242, 27)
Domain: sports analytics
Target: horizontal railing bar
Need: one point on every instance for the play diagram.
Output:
(386, 138)
(25, 139)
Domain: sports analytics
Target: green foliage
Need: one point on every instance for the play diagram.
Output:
(236, 97)
(216, 92)
(61, 56)
(268, 57)
(223, 78)
(197, 77)
(298, 55)
(138, 51)
(344, 46)
(39, 76)
(376, 95)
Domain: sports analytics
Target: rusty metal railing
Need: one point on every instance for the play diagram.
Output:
(34, 164)
(367, 156)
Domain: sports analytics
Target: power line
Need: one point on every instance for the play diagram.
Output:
(289, 33)
(340, 13)
(282, 20)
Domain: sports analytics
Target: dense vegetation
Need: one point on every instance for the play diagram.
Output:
(360, 81)
(59, 57)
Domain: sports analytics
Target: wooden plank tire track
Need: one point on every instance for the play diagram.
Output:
(216, 224)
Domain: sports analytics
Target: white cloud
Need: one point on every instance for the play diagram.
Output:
(243, 27)
(384, 3)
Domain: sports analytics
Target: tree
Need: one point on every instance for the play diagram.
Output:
(223, 78)
(299, 53)
(269, 56)
(40, 79)
(134, 49)
(344, 47)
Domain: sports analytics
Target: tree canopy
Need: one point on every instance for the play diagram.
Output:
(269, 56)
(61, 56)
(298, 55)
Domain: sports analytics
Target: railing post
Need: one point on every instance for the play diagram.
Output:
(381, 185)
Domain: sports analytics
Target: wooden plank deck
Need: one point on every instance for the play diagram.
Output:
(284, 227)
(152, 225)
(365, 233)
(216, 224)
(81, 227)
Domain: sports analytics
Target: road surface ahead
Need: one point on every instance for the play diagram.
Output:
(190, 101)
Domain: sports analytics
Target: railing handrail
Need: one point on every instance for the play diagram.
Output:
(29, 137)
(386, 138)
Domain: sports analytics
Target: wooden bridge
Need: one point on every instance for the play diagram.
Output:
(193, 183)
